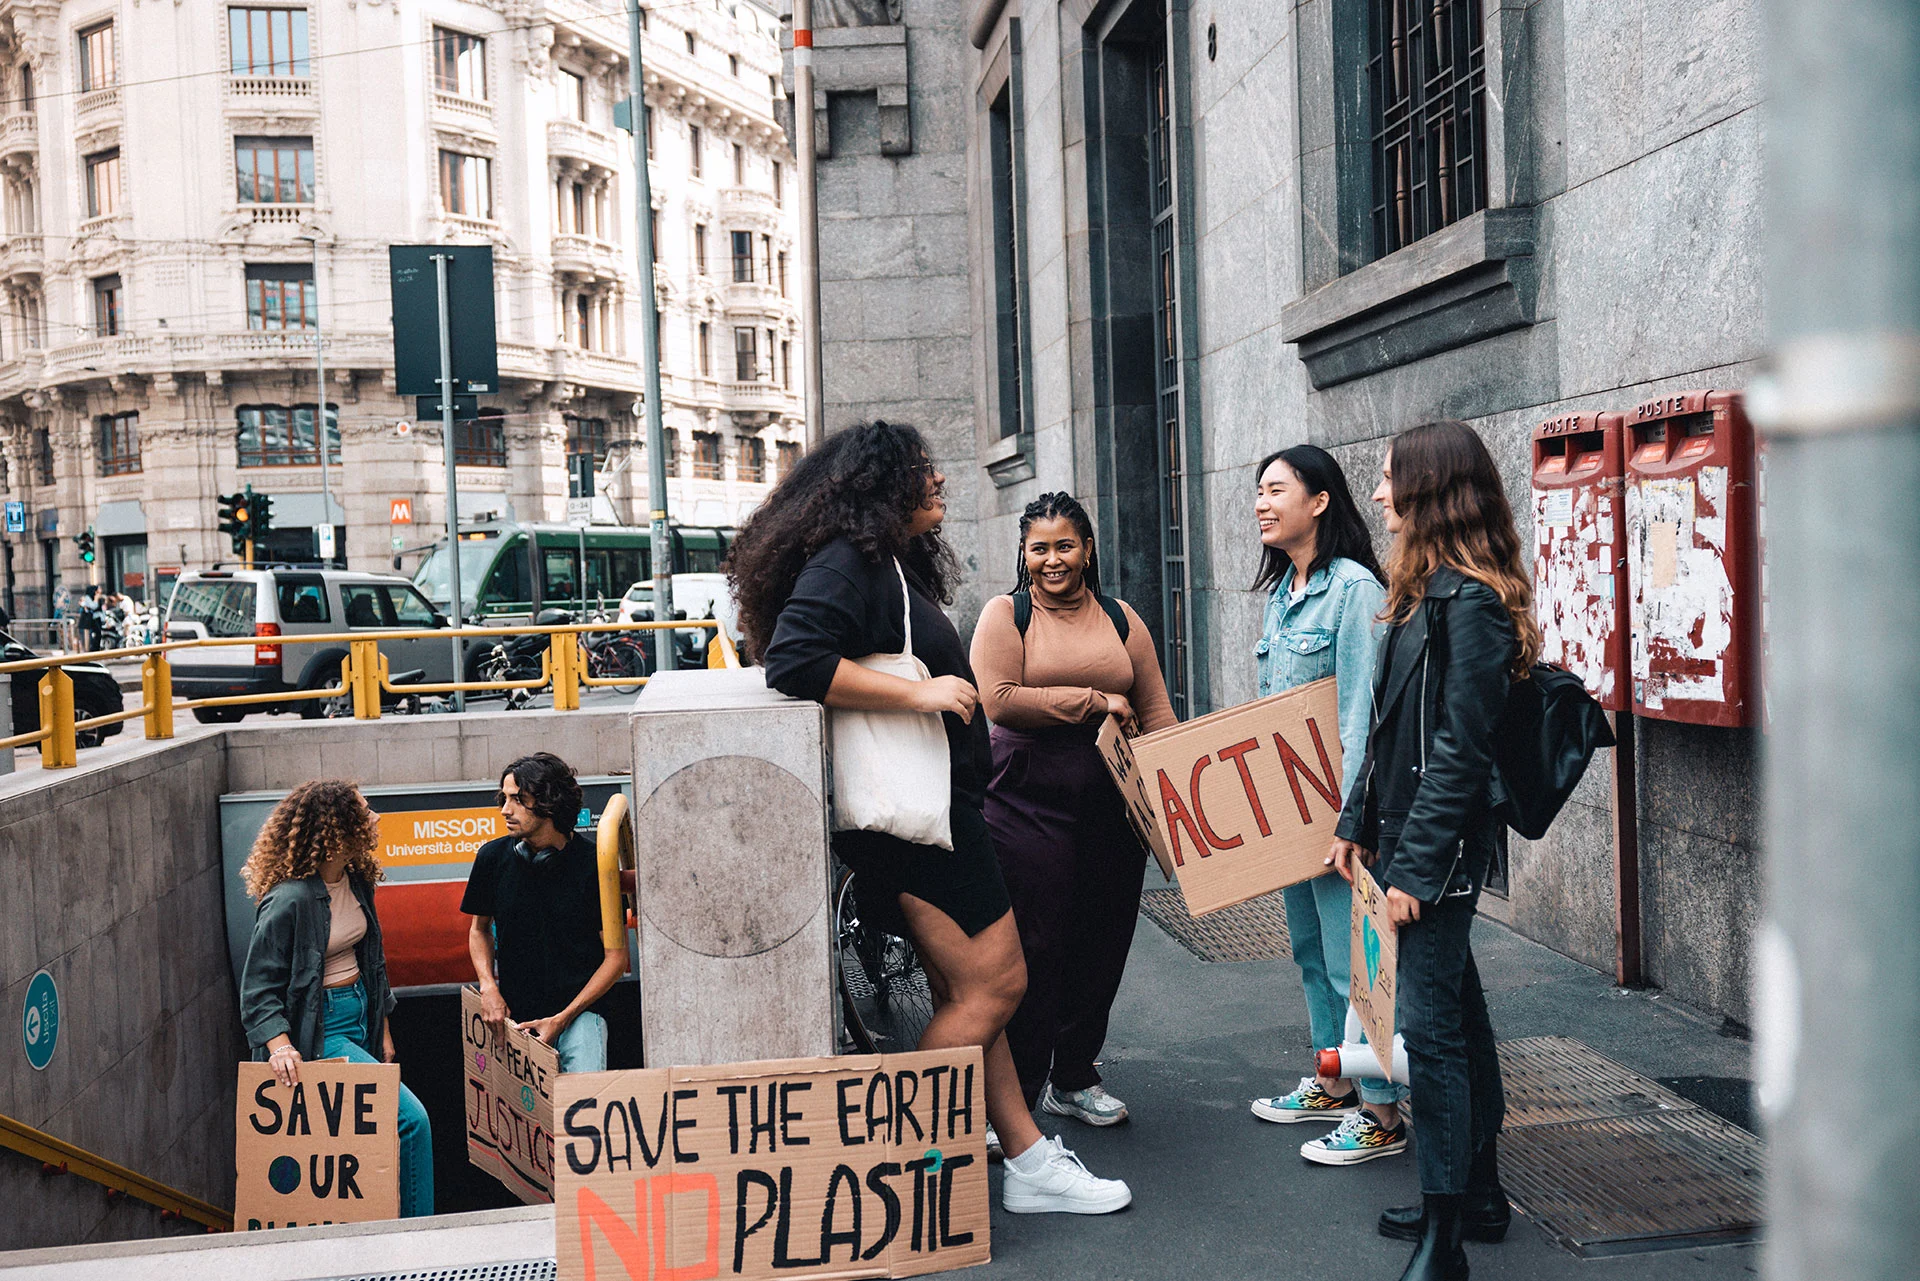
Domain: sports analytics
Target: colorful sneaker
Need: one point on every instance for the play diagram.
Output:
(1359, 1138)
(1092, 1105)
(1057, 1183)
(1308, 1102)
(994, 1151)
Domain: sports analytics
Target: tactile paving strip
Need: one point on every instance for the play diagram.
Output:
(1610, 1162)
(1252, 931)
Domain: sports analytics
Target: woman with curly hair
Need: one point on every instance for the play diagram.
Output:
(832, 567)
(1460, 632)
(315, 982)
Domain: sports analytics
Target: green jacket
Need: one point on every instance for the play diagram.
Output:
(280, 987)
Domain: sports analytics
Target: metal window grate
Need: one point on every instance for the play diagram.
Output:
(1169, 391)
(1427, 66)
(1252, 931)
(519, 1270)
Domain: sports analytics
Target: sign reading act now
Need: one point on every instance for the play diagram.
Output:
(863, 1166)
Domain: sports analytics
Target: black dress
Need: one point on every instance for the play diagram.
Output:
(846, 606)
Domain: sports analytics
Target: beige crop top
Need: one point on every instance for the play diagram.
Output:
(349, 927)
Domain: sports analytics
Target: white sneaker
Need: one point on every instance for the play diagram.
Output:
(1092, 1105)
(1062, 1185)
(994, 1151)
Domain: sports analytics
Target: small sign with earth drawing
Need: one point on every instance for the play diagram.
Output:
(1375, 959)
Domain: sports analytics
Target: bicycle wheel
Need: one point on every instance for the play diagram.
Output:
(617, 659)
(883, 989)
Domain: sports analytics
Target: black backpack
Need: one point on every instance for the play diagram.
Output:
(1023, 612)
(1550, 730)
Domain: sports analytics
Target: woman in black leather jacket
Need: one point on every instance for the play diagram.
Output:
(1460, 609)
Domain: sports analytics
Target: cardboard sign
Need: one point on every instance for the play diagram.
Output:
(864, 1166)
(1239, 803)
(324, 1151)
(1376, 967)
(510, 1076)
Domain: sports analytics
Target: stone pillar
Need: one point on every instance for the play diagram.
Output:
(730, 815)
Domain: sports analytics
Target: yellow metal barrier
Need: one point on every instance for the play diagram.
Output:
(615, 850)
(59, 1155)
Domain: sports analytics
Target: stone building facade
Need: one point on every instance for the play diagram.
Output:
(166, 171)
(1185, 248)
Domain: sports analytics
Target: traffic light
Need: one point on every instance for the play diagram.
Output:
(84, 540)
(234, 520)
(260, 513)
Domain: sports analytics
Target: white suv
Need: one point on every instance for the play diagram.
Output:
(278, 604)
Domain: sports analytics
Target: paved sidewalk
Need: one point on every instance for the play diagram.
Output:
(1219, 1194)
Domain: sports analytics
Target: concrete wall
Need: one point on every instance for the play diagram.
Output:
(112, 884)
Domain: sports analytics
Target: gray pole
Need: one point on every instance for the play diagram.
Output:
(320, 406)
(809, 219)
(660, 547)
(456, 603)
(1838, 953)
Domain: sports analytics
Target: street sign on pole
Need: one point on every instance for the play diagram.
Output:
(580, 512)
(16, 517)
(325, 535)
(416, 319)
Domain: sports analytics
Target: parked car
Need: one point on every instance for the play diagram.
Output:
(279, 604)
(95, 692)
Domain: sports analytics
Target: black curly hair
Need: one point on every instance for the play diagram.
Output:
(863, 484)
(551, 788)
(1055, 506)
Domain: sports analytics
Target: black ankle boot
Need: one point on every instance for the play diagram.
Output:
(1438, 1256)
(1484, 1212)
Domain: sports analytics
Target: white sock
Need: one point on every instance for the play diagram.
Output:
(1034, 1159)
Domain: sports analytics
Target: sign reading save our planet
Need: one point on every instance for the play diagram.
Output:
(325, 1150)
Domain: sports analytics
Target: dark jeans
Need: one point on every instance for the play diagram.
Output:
(1073, 869)
(1442, 1014)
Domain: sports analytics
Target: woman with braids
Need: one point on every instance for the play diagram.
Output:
(315, 981)
(1461, 632)
(826, 572)
(1323, 594)
(1055, 659)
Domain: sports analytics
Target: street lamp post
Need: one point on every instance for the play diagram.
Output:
(659, 545)
(320, 400)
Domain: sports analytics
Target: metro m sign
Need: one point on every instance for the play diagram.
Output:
(1241, 802)
(400, 511)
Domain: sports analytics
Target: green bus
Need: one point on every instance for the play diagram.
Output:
(511, 570)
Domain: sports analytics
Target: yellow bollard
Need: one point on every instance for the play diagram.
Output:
(566, 671)
(57, 751)
(156, 683)
(363, 658)
(721, 652)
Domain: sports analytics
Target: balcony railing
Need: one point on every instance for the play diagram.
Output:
(469, 108)
(98, 100)
(19, 132)
(748, 200)
(757, 396)
(281, 87)
(572, 138)
(277, 213)
(20, 253)
(463, 225)
(586, 256)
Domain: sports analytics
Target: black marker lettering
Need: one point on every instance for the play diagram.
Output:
(263, 1098)
(680, 1157)
(788, 1115)
(877, 1181)
(756, 1179)
(733, 1093)
(844, 1109)
(575, 1131)
(828, 1237)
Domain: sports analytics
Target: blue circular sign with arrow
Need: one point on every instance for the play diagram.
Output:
(40, 1024)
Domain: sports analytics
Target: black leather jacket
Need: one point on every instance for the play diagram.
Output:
(1421, 800)
(280, 985)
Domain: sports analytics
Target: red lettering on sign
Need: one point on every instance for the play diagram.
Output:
(1235, 754)
(1199, 768)
(1176, 811)
(708, 1264)
(629, 1243)
(1296, 766)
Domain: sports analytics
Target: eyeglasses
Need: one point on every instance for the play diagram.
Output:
(924, 469)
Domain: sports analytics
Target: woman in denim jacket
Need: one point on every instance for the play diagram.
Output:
(1325, 595)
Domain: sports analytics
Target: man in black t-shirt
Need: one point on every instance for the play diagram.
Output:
(534, 896)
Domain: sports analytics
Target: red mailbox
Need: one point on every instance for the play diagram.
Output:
(1580, 549)
(1693, 559)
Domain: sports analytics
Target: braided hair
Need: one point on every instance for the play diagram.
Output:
(1055, 506)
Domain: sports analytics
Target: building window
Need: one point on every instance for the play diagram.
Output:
(99, 68)
(743, 257)
(779, 187)
(700, 248)
(459, 63)
(282, 436)
(103, 183)
(1005, 154)
(280, 295)
(772, 351)
(482, 441)
(118, 444)
(733, 64)
(466, 185)
(739, 165)
(274, 171)
(782, 261)
(692, 46)
(26, 86)
(766, 258)
(1427, 66)
(580, 321)
(43, 455)
(107, 304)
(706, 350)
(572, 95)
(746, 355)
(786, 366)
(670, 444)
(706, 456)
(269, 42)
(787, 455)
(751, 462)
(695, 151)
(586, 436)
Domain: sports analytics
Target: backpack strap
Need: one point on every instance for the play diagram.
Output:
(1023, 612)
(1117, 614)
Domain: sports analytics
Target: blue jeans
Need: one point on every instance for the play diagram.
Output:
(1320, 928)
(1442, 1015)
(583, 1046)
(346, 1030)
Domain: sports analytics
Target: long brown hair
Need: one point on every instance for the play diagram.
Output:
(1447, 492)
(316, 820)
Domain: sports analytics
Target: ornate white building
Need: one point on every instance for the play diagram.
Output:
(166, 168)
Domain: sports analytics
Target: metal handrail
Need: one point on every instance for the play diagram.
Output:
(364, 676)
(61, 1156)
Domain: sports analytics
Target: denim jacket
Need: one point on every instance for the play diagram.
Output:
(1331, 631)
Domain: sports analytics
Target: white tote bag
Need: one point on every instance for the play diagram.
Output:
(890, 769)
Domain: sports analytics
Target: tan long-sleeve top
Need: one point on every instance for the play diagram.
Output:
(1069, 661)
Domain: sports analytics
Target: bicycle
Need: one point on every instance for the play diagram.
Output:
(615, 655)
(884, 995)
